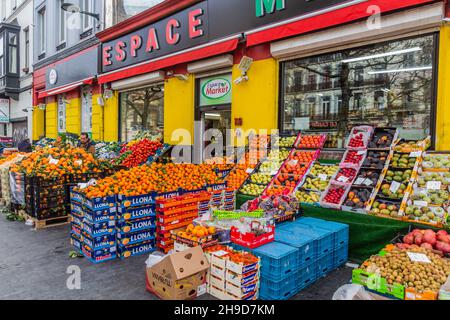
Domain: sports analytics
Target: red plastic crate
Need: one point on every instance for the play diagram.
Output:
(249, 240)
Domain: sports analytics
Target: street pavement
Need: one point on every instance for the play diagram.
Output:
(34, 265)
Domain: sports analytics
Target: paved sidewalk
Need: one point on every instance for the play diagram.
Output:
(33, 265)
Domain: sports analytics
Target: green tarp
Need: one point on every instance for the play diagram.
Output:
(368, 234)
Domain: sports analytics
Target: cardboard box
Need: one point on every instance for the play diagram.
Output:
(242, 292)
(217, 271)
(179, 276)
(241, 279)
(217, 282)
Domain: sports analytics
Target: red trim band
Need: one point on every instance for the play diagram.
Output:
(64, 89)
(333, 18)
(153, 65)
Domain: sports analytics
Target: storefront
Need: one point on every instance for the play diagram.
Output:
(67, 99)
(320, 66)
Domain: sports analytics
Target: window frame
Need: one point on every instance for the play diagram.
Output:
(42, 28)
(26, 36)
(434, 80)
(86, 17)
(122, 92)
(62, 15)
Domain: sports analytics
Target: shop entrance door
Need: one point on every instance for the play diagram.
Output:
(213, 111)
(218, 119)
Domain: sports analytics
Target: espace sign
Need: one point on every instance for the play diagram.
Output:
(204, 22)
(213, 20)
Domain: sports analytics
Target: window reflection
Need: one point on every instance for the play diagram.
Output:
(382, 85)
(142, 110)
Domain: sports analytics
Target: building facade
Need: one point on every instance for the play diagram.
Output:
(16, 69)
(319, 67)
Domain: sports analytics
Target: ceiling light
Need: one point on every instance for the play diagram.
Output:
(400, 70)
(381, 55)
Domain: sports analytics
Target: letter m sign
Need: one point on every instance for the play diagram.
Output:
(269, 6)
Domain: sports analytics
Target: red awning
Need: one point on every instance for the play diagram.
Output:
(64, 89)
(189, 55)
(316, 21)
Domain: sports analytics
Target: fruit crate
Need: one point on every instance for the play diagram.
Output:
(250, 240)
(306, 275)
(279, 290)
(332, 186)
(48, 213)
(277, 260)
(306, 247)
(378, 134)
(340, 256)
(378, 284)
(340, 230)
(324, 265)
(362, 154)
(324, 240)
(322, 139)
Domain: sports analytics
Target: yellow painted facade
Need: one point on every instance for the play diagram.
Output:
(97, 119)
(111, 118)
(38, 123)
(179, 100)
(51, 120)
(443, 97)
(73, 116)
(256, 101)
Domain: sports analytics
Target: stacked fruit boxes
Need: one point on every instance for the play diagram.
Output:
(229, 279)
(98, 229)
(136, 228)
(177, 212)
(353, 159)
(76, 220)
(303, 252)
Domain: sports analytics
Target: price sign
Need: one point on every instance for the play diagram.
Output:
(395, 186)
(420, 203)
(274, 172)
(53, 161)
(418, 257)
(434, 185)
(415, 154)
(360, 181)
(82, 185)
(249, 171)
(323, 177)
(342, 179)
(368, 182)
(361, 152)
(79, 162)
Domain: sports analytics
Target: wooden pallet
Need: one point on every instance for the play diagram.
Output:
(49, 223)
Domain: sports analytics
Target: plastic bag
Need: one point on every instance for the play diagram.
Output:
(352, 292)
(154, 258)
(17, 184)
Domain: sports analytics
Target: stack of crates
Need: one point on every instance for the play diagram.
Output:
(175, 213)
(45, 199)
(76, 220)
(135, 228)
(303, 252)
(98, 229)
(278, 271)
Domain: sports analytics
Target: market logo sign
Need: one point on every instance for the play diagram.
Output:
(4, 110)
(53, 76)
(269, 6)
(215, 91)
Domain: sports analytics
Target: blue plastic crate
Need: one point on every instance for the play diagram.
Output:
(341, 230)
(305, 244)
(324, 238)
(279, 290)
(306, 275)
(277, 260)
(324, 265)
(340, 256)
